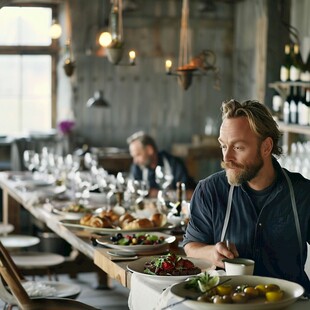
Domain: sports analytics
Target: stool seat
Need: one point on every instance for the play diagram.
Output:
(31, 260)
(19, 241)
(6, 228)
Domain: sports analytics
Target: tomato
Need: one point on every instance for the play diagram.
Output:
(274, 296)
(224, 289)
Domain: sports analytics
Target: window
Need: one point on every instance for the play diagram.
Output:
(26, 77)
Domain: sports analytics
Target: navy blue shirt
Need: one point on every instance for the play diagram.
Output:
(268, 236)
(178, 170)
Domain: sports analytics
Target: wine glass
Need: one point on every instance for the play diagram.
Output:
(163, 177)
(28, 156)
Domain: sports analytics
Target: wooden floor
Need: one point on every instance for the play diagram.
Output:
(115, 298)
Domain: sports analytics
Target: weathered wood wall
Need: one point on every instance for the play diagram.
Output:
(143, 97)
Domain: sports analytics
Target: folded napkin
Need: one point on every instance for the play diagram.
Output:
(38, 289)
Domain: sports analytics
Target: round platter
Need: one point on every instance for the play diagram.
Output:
(138, 268)
(146, 249)
(292, 291)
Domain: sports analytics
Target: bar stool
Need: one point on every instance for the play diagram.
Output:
(30, 260)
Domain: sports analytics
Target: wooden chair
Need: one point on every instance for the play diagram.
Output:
(13, 278)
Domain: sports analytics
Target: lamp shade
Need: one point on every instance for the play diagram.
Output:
(97, 100)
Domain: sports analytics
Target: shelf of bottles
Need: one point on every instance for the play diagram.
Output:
(291, 103)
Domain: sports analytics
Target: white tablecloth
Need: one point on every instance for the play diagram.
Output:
(147, 294)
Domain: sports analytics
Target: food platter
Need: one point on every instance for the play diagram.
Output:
(292, 291)
(76, 224)
(146, 249)
(138, 268)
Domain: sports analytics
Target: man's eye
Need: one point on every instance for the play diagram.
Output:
(223, 147)
(238, 148)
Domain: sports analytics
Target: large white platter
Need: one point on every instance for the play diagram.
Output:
(292, 291)
(76, 224)
(140, 248)
(138, 268)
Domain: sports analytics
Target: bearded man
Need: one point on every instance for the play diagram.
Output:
(261, 208)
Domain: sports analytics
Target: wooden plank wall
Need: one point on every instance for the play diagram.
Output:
(143, 97)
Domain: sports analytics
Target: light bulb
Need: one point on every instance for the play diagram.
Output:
(168, 65)
(105, 39)
(132, 57)
(55, 30)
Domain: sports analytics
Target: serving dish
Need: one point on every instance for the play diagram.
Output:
(138, 268)
(146, 249)
(292, 291)
(76, 224)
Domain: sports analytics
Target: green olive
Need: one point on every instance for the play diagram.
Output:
(273, 296)
(239, 298)
(251, 292)
(261, 288)
(225, 289)
(204, 298)
(272, 287)
(218, 300)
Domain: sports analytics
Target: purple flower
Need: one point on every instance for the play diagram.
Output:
(66, 126)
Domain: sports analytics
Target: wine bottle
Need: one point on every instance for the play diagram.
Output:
(286, 64)
(293, 105)
(302, 109)
(297, 64)
(277, 104)
(286, 107)
(305, 75)
(307, 103)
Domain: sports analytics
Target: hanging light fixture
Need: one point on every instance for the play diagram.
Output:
(69, 63)
(116, 47)
(55, 30)
(97, 101)
(189, 66)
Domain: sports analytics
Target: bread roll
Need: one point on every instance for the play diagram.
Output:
(139, 224)
(126, 217)
(159, 219)
(85, 220)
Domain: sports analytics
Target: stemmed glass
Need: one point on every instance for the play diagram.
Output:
(163, 177)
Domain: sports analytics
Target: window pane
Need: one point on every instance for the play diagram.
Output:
(25, 93)
(25, 26)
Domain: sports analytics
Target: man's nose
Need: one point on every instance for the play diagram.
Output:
(228, 154)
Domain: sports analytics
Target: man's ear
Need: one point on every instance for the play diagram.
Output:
(149, 150)
(266, 147)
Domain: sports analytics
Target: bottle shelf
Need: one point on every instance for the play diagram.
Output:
(291, 128)
(283, 88)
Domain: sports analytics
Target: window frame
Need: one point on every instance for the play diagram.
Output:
(52, 50)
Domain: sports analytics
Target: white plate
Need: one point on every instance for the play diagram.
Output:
(140, 248)
(19, 241)
(292, 291)
(6, 228)
(69, 215)
(61, 290)
(138, 267)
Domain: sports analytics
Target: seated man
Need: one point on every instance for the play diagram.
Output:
(260, 207)
(146, 158)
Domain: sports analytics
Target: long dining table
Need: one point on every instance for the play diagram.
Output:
(155, 295)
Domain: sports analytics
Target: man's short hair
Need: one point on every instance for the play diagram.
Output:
(144, 138)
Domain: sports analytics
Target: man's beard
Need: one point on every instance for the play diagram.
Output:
(244, 173)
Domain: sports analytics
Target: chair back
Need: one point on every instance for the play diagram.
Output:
(9, 274)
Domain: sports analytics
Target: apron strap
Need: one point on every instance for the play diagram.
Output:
(297, 224)
(228, 209)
